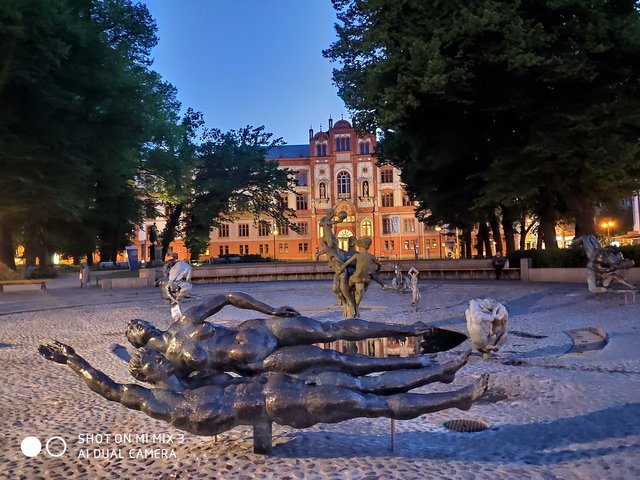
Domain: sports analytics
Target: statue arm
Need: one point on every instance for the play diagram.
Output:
(213, 304)
(347, 263)
(130, 395)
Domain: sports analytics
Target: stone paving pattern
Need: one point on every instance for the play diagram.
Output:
(551, 415)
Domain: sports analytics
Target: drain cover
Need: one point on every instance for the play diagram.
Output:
(465, 426)
(587, 339)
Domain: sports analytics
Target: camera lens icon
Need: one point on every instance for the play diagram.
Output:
(56, 446)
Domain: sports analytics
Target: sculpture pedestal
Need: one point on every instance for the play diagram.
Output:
(262, 437)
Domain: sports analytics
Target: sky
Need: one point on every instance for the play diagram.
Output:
(250, 62)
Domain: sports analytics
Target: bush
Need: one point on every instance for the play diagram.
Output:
(560, 258)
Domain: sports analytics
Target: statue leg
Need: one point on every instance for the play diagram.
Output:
(303, 358)
(393, 381)
(303, 330)
(306, 406)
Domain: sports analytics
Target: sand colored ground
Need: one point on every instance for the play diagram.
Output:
(551, 415)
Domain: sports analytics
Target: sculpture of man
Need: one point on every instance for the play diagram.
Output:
(367, 268)
(271, 397)
(603, 266)
(279, 344)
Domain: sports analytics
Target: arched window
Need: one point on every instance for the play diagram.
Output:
(365, 228)
(344, 184)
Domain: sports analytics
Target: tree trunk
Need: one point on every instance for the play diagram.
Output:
(507, 226)
(466, 239)
(547, 229)
(584, 215)
(484, 243)
(7, 256)
(170, 229)
(495, 230)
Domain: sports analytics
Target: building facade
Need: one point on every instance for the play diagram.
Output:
(337, 169)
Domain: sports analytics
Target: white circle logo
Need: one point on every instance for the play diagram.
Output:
(31, 446)
(62, 450)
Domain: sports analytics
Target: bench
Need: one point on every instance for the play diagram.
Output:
(40, 281)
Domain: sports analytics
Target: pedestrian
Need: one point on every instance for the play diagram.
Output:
(498, 262)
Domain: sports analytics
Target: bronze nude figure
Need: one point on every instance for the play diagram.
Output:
(604, 267)
(278, 374)
(282, 343)
(227, 401)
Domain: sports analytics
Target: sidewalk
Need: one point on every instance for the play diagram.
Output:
(551, 415)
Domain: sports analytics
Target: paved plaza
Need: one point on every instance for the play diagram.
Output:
(551, 414)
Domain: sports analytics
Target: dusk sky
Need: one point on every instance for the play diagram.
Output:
(250, 62)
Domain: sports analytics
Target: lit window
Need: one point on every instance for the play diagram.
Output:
(409, 225)
(387, 199)
(365, 228)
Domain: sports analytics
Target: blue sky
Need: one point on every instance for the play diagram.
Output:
(250, 62)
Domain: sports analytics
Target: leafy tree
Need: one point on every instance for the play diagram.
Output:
(233, 178)
(523, 105)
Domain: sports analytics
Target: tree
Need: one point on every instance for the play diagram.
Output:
(532, 103)
(232, 177)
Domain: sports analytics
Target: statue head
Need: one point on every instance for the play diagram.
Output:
(139, 332)
(364, 242)
(150, 366)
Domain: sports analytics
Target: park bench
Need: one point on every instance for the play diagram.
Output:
(37, 281)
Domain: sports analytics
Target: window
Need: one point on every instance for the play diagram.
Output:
(261, 249)
(223, 231)
(344, 184)
(241, 249)
(386, 225)
(342, 144)
(365, 229)
(321, 149)
(283, 229)
(364, 148)
(221, 250)
(264, 230)
(387, 199)
(406, 202)
(409, 225)
(303, 247)
(243, 230)
(303, 229)
(386, 175)
(301, 178)
(406, 244)
(301, 202)
(392, 245)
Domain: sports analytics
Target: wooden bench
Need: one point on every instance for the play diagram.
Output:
(36, 281)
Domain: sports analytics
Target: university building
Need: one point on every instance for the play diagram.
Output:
(336, 169)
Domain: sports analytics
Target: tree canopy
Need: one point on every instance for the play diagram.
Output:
(521, 105)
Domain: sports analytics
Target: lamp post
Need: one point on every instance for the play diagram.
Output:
(607, 224)
(439, 230)
(275, 234)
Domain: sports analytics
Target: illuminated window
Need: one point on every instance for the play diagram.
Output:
(365, 229)
(409, 225)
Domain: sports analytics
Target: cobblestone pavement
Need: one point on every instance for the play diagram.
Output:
(550, 414)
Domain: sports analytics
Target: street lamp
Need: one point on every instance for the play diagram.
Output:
(439, 230)
(275, 234)
(607, 224)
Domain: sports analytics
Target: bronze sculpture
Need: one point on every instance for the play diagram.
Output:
(227, 401)
(176, 282)
(345, 265)
(282, 343)
(283, 378)
(604, 266)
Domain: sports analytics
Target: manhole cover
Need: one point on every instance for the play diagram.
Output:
(587, 339)
(466, 425)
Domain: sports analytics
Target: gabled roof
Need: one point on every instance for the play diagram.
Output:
(288, 151)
